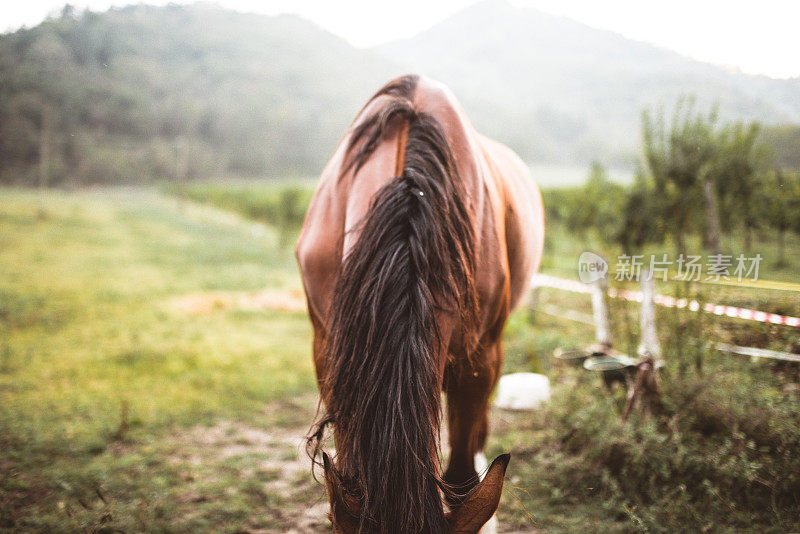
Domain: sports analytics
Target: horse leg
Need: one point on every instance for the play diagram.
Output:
(468, 393)
(318, 348)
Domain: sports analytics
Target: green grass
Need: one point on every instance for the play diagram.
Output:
(276, 203)
(86, 328)
(120, 411)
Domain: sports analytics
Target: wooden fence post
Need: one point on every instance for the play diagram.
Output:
(648, 346)
(647, 385)
(602, 325)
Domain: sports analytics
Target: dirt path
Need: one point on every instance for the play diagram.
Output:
(272, 459)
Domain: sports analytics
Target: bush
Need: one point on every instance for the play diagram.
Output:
(724, 451)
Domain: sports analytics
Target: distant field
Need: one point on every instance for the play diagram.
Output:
(282, 204)
(155, 375)
(553, 175)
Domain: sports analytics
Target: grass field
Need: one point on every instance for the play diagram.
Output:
(148, 384)
(108, 389)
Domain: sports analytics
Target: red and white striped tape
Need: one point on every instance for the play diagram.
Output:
(544, 280)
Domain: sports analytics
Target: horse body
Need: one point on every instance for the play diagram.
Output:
(466, 252)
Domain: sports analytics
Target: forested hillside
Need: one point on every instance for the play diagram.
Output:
(175, 92)
(182, 92)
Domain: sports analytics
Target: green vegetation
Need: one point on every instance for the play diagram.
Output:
(719, 453)
(122, 408)
(784, 141)
(175, 92)
(720, 456)
(143, 93)
(155, 369)
(706, 188)
(278, 204)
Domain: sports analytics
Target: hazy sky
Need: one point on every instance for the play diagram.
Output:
(759, 37)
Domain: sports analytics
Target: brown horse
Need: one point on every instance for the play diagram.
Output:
(420, 239)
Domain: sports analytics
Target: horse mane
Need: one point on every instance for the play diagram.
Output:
(414, 257)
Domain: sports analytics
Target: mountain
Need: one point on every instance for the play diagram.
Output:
(180, 92)
(175, 91)
(555, 89)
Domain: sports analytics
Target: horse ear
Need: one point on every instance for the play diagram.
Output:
(341, 517)
(481, 503)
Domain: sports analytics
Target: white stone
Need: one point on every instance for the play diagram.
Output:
(481, 464)
(522, 391)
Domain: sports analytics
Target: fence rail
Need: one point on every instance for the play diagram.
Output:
(758, 353)
(600, 321)
(544, 280)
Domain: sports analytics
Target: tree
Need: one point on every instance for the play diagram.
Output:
(734, 168)
(638, 225)
(778, 203)
(595, 205)
(678, 160)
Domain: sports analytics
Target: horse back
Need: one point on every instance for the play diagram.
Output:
(506, 203)
(508, 220)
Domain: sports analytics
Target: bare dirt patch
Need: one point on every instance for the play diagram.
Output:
(267, 300)
(269, 461)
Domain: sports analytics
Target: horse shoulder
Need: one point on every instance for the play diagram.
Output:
(523, 215)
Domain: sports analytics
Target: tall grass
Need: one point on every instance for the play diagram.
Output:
(720, 452)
